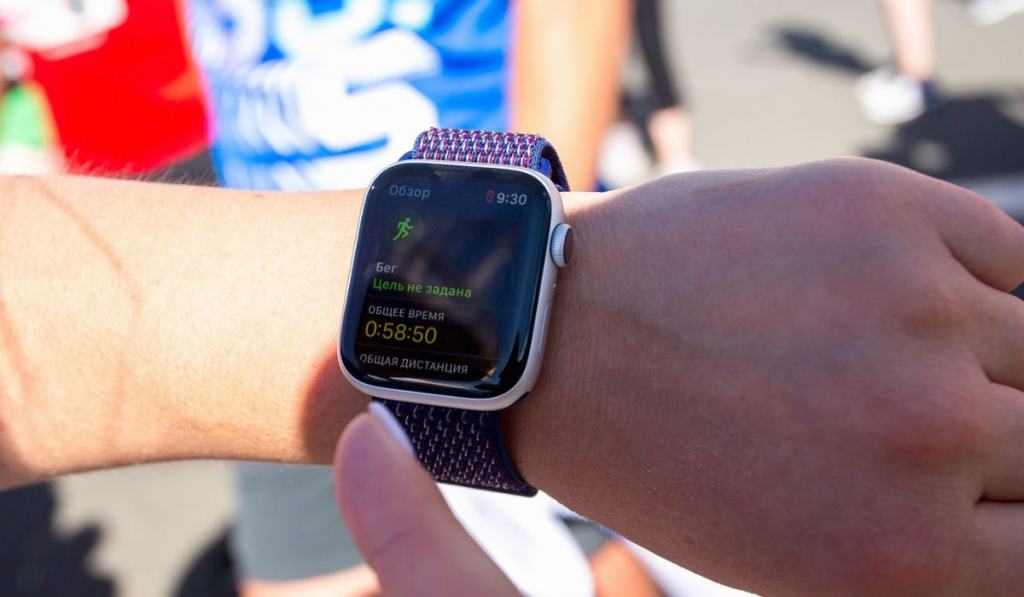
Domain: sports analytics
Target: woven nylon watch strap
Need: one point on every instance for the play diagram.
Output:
(458, 446)
(461, 447)
(489, 147)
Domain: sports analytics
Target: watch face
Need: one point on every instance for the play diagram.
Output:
(446, 279)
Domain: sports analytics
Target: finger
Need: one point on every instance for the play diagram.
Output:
(400, 522)
(999, 551)
(1003, 478)
(985, 240)
(998, 336)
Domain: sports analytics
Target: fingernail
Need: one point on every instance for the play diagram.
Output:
(388, 420)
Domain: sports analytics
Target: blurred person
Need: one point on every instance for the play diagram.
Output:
(116, 77)
(667, 123)
(901, 92)
(656, 115)
(317, 95)
(895, 94)
(145, 322)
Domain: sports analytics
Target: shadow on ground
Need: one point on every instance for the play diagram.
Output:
(34, 560)
(968, 136)
(210, 574)
(809, 45)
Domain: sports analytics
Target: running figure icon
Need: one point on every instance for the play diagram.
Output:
(404, 226)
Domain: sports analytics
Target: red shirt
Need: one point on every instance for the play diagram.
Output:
(134, 103)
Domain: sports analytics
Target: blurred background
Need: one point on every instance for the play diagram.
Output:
(144, 89)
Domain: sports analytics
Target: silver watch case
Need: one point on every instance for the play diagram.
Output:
(541, 316)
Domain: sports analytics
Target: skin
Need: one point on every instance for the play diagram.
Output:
(398, 517)
(910, 31)
(797, 381)
(580, 90)
(401, 523)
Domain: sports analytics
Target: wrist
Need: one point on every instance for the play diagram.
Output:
(536, 427)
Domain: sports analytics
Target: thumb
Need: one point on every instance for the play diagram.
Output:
(399, 520)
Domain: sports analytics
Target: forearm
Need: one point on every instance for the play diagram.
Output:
(146, 322)
(566, 72)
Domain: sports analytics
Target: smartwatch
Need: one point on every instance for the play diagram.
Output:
(452, 278)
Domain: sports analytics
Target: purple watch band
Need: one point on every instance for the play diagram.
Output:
(459, 446)
(488, 147)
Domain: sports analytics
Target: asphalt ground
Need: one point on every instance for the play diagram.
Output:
(769, 83)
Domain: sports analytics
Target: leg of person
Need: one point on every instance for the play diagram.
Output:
(911, 35)
(669, 123)
(895, 95)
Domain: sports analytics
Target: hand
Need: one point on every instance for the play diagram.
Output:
(400, 521)
(805, 381)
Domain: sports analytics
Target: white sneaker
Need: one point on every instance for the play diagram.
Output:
(990, 12)
(623, 159)
(886, 97)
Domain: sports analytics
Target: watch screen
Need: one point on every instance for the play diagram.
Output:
(446, 279)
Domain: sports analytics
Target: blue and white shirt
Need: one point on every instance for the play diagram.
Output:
(321, 94)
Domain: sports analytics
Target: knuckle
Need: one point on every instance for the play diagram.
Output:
(868, 181)
(977, 206)
(868, 196)
(929, 424)
(915, 555)
(925, 305)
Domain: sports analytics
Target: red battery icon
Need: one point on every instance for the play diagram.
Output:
(490, 196)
